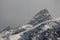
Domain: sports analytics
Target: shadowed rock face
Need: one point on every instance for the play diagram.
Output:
(5, 29)
(41, 16)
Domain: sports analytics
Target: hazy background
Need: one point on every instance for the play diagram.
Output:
(19, 12)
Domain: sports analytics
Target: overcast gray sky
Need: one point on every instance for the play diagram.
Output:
(19, 12)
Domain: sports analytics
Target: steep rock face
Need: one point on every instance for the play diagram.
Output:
(40, 17)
